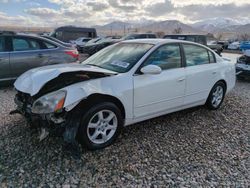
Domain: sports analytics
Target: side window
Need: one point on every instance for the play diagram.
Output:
(49, 45)
(151, 36)
(195, 55)
(2, 44)
(166, 57)
(211, 57)
(25, 44)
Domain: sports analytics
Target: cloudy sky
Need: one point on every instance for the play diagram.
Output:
(92, 12)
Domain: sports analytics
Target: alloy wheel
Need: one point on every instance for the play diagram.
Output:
(102, 126)
(217, 96)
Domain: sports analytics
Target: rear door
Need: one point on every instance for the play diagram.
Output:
(27, 53)
(4, 60)
(201, 73)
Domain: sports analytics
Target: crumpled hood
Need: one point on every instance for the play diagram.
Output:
(33, 80)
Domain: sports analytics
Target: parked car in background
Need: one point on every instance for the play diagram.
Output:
(91, 42)
(21, 52)
(245, 45)
(123, 84)
(80, 41)
(201, 39)
(91, 49)
(66, 44)
(139, 36)
(107, 41)
(243, 66)
(223, 43)
(234, 46)
(68, 33)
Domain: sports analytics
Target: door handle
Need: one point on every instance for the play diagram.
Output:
(214, 72)
(181, 79)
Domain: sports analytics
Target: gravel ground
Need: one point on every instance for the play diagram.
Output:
(195, 147)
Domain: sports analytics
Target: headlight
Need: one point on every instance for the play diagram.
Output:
(50, 103)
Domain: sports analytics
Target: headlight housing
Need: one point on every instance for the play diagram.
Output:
(50, 103)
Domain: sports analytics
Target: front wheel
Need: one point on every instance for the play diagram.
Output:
(216, 96)
(100, 126)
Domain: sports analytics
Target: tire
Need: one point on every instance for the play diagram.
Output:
(93, 127)
(216, 96)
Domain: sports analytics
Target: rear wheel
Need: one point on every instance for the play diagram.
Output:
(216, 96)
(100, 126)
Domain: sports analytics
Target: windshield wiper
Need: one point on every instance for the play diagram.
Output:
(94, 65)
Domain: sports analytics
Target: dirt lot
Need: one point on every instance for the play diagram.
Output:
(195, 147)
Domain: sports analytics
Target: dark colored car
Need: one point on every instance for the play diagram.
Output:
(103, 43)
(140, 36)
(223, 43)
(68, 33)
(21, 52)
(243, 67)
(201, 39)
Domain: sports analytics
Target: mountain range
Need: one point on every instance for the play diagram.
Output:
(215, 25)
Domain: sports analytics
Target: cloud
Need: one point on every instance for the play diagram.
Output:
(97, 6)
(42, 12)
(161, 8)
(121, 6)
(198, 12)
(93, 12)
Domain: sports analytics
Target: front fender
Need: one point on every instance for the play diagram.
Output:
(76, 94)
(105, 86)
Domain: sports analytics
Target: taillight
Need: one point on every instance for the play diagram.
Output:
(73, 53)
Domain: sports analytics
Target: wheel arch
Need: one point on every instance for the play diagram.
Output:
(97, 98)
(224, 82)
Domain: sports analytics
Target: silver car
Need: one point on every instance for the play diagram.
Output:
(21, 52)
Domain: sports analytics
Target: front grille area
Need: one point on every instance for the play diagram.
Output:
(24, 102)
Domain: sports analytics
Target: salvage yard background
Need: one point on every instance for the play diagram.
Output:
(195, 147)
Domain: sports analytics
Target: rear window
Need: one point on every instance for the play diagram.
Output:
(195, 55)
(2, 44)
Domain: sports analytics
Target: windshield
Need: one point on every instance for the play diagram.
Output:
(119, 58)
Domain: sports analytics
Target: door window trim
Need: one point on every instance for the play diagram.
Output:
(184, 54)
(137, 72)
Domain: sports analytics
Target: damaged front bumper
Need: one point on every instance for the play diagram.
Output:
(45, 123)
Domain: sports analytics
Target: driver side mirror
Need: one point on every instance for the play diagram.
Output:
(151, 69)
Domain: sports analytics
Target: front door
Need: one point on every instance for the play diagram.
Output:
(162, 92)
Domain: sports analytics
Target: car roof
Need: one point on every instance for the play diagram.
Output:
(186, 35)
(156, 41)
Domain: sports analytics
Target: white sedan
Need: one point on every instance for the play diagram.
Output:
(123, 84)
(234, 46)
